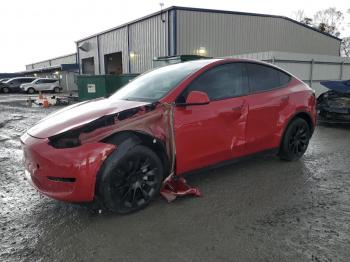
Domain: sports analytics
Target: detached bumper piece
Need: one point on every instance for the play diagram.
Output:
(174, 186)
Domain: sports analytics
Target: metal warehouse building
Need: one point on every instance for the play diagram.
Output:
(64, 68)
(131, 47)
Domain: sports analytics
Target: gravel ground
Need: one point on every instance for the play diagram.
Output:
(261, 209)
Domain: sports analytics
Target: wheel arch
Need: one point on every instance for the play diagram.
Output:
(125, 140)
(138, 137)
(301, 114)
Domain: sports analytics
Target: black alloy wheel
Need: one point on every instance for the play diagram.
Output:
(295, 140)
(299, 140)
(133, 181)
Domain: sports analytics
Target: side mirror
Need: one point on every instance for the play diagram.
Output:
(197, 98)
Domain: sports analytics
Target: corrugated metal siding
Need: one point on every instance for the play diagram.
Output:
(111, 42)
(92, 52)
(229, 34)
(302, 71)
(326, 72)
(148, 38)
(68, 59)
(67, 81)
(171, 29)
(41, 64)
(346, 72)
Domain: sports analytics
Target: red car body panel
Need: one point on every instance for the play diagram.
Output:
(195, 136)
(210, 133)
(80, 163)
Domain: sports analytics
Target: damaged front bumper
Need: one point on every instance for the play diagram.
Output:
(67, 174)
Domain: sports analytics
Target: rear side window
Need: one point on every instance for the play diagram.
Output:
(221, 82)
(14, 82)
(26, 80)
(263, 78)
(284, 78)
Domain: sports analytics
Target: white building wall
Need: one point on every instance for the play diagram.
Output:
(112, 42)
(91, 45)
(310, 68)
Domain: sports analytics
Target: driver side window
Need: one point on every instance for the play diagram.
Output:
(221, 82)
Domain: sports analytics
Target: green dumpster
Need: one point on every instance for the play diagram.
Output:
(94, 86)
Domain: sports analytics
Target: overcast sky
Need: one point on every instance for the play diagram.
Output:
(35, 30)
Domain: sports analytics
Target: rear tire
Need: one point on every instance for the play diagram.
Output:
(129, 181)
(295, 140)
(56, 90)
(31, 90)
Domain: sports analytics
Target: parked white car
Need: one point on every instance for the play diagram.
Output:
(42, 84)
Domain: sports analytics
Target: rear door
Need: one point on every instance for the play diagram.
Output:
(211, 133)
(267, 100)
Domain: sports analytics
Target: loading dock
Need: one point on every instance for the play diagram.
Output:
(88, 66)
(113, 63)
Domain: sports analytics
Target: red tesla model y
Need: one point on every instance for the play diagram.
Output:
(171, 120)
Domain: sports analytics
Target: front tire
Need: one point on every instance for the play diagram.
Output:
(130, 180)
(31, 90)
(295, 140)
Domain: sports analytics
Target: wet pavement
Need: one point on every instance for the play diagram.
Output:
(261, 209)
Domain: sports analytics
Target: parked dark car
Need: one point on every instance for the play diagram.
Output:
(333, 106)
(13, 84)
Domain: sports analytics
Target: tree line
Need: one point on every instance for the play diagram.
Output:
(330, 21)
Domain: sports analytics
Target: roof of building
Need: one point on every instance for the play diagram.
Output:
(205, 10)
(61, 67)
(58, 57)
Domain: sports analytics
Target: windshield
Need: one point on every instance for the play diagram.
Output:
(155, 84)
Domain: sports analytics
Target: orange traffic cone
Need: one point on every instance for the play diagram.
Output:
(45, 103)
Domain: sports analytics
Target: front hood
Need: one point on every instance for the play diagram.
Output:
(79, 114)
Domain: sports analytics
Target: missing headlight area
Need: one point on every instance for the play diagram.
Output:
(72, 138)
(66, 140)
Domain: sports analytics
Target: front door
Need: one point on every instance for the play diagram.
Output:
(215, 132)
